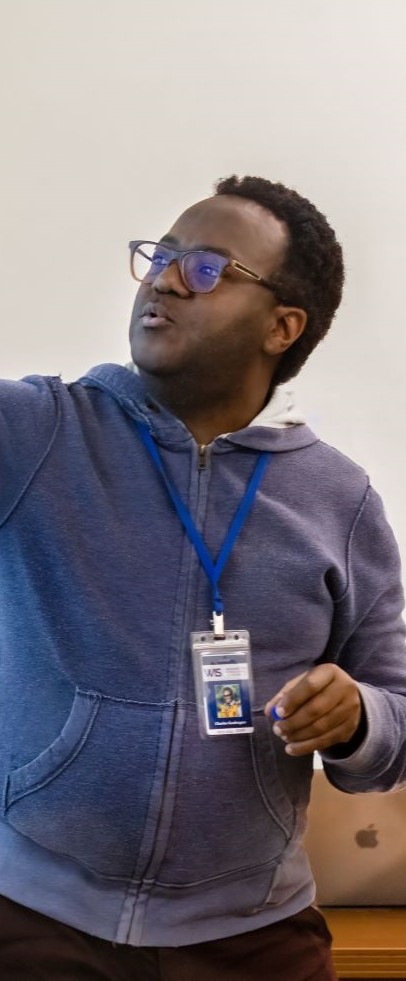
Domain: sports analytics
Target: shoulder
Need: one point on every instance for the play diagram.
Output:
(325, 481)
(29, 420)
(333, 463)
(35, 396)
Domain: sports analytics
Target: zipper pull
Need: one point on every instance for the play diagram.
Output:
(202, 456)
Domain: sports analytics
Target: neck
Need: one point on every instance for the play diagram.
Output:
(210, 416)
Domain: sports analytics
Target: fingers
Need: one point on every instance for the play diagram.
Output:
(337, 726)
(318, 744)
(316, 710)
(280, 702)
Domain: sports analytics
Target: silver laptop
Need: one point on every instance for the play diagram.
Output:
(357, 846)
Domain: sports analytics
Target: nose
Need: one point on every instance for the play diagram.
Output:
(169, 280)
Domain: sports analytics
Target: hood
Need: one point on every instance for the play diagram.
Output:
(279, 427)
(281, 411)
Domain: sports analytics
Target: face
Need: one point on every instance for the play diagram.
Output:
(218, 334)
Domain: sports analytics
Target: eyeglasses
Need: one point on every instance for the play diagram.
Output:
(200, 269)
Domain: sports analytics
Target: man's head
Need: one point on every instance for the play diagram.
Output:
(311, 275)
(242, 335)
(228, 694)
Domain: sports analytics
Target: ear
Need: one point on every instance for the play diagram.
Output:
(287, 324)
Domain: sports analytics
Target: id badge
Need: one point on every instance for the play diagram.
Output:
(223, 682)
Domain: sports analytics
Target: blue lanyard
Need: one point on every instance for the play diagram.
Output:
(212, 569)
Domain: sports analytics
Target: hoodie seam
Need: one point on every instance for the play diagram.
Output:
(350, 540)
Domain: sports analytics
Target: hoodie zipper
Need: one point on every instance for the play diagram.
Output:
(202, 456)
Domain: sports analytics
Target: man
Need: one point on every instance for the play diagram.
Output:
(161, 528)
(229, 707)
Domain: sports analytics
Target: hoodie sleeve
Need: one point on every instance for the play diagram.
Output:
(29, 419)
(370, 646)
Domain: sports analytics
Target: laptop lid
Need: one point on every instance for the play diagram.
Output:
(357, 846)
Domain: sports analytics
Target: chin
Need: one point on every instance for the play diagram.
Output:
(156, 368)
(153, 356)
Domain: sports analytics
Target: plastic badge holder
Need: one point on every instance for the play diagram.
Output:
(223, 682)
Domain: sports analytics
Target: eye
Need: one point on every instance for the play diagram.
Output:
(159, 260)
(206, 269)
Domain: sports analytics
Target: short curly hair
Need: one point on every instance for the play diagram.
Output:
(312, 274)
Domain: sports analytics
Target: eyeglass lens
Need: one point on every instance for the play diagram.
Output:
(201, 271)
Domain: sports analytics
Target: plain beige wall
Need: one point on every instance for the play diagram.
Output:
(115, 115)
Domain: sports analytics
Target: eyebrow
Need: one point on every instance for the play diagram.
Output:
(201, 247)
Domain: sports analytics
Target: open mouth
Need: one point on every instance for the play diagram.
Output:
(154, 320)
(154, 315)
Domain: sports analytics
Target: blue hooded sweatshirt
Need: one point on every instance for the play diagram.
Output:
(116, 816)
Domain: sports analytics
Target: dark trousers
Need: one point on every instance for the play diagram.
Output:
(33, 946)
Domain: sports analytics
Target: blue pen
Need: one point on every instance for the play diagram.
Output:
(275, 714)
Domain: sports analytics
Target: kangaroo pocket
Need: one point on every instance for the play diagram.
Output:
(87, 795)
(231, 812)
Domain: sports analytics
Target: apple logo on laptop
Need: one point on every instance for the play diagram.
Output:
(367, 837)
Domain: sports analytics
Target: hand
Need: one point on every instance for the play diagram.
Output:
(316, 710)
